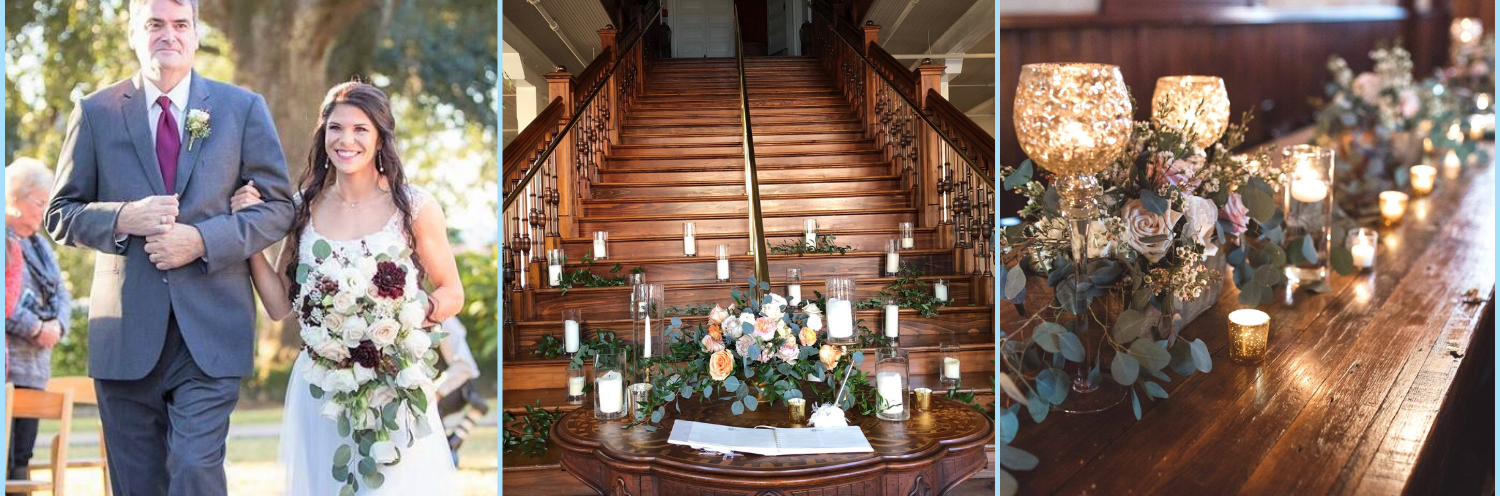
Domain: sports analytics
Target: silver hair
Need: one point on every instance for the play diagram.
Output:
(137, 5)
(24, 176)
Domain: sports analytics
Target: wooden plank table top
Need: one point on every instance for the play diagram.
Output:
(1363, 390)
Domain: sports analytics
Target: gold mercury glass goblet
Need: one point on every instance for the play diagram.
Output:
(1197, 104)
(1074, 120)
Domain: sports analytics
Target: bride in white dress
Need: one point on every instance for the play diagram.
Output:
(354, 195)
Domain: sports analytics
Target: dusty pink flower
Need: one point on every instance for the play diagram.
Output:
(1165, 170)
(788, 351)
(1236, 213)
(765, 328)
(743, 345)
(712, 345)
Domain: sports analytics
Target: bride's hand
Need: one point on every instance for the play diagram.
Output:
(245, 197)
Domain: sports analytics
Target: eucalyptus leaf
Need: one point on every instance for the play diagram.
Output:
(1020, 177)
(1201, 357)
(751, 402)
(1124, 368)
(321, 249)
(1309, 249)
(1128, 326)
(1015, 282)
(1047, 336)
(1009, 424)
(1153, 202)
(1009, 387)
(1151, 355)
(1072, 348)
(1135, 404)
(737, 408)
(1155, 390)
(1015, 459)
(1038, 408)
(343, 455)
(1342, 260)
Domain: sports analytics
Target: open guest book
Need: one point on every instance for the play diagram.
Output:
(770, 441)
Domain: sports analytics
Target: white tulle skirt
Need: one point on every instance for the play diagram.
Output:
(308, 441)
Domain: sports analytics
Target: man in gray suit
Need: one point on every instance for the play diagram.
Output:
(144, 178)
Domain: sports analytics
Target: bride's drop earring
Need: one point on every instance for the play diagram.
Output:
(378, 166)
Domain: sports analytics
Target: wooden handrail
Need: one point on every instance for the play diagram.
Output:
(573, 121)
(530, 140)
(970, 134)
(819, 10)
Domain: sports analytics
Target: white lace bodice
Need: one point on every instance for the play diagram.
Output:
(389, 234)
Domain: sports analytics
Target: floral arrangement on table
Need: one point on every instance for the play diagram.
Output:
(1167, 206)
(1374, 121)
(1460, 91)
(755, 351)
(361, 319)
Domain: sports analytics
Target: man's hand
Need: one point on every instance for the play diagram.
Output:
(181, 245)
(50, 334)
(149, 216)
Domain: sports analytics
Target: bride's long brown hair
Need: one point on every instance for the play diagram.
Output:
(317, 176)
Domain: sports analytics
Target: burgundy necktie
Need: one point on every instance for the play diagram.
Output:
(167, 144)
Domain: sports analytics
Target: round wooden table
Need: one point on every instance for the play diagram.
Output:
(928, 454)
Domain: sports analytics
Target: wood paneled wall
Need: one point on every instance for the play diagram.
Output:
(1272, 59)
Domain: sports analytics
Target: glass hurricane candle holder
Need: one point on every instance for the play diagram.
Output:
(609, 386)
(1392, 207)
(689, 239)
(554, 267)
(1362, 243)
(647, 320)
(601, 245)
(572, 325)
(1309, 210)
(1248, 331)
(640, 397)
(794, 285)
(892, 315)
(1074, 120)
(840, 311)
(576, 382)
(908, 236)
(892, 258)
(892, 370)
(1422, 178)
(951, 368)
(1197, 104)
(721, 265)
(810, 232)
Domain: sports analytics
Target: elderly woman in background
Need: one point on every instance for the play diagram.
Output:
(40, 318)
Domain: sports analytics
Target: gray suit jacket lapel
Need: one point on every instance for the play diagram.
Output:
(133, 110)
(187, 160)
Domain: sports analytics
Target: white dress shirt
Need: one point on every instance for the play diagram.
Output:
(179, 97)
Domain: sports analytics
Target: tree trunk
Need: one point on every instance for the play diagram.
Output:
(282, 50)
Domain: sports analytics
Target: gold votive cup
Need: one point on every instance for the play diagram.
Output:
(1422, 178)
(924, 399)
(797, 411)
(1248, 331)
(1392, 206)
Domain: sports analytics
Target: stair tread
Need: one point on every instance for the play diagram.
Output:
(799, 213)
(678, 259)
(768, 234)
(987, 309)
(648, 184)
(775, 196)
(877, 281)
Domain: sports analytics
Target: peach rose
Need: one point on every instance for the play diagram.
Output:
(808, 336)
(830, 356)
(718, 314)
(712, 345)
(720, 365)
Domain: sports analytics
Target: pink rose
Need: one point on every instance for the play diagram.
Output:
(743, 345)
(1410, 104)
(1165, 169)
(712, 345)
(788, 351)
(1235, 212)
(765, 328)
(1141, 224)
(718, 314)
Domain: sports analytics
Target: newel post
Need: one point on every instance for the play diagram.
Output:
(611, 90)
(873, 83)
(929, 77)
(560, 85)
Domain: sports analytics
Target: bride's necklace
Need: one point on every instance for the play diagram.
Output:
(356, 203)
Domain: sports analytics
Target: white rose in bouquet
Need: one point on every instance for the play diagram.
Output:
(815, 321)
(353, 331)
(363, 374)
(1101, 240)
(384, 452)
(382, 395)
(340, 381)
(315, 374)
(384, 332)
(332, 349)
(331, 410)
(413, 313)
(314, 336)
(1202, 214)
(412, 377)
(417, 342)
(775, 308)
(366, 267)
(352, 281)
(1141, 224)
(344, 301)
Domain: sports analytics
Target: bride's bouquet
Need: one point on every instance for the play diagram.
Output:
(361, 316)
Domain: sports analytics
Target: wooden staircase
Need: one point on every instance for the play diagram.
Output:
(679, 158)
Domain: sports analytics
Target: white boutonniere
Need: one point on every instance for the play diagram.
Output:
(197, 126)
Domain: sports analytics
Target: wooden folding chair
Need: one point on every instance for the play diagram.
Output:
(28, 403)
(82, 388)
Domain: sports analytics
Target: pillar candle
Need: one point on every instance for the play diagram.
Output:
(794, 293)
(892, 321)
(723, 269)
(950, 367)
(599, 251)
(1309, 190)
(892, 263)
(940, 290)
(840, 318)
(610, 388)
(570, 336)
(689, 244)
(554, 275)
(891, 391)
(1364, 255)
(646, 350)
(575, 386)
